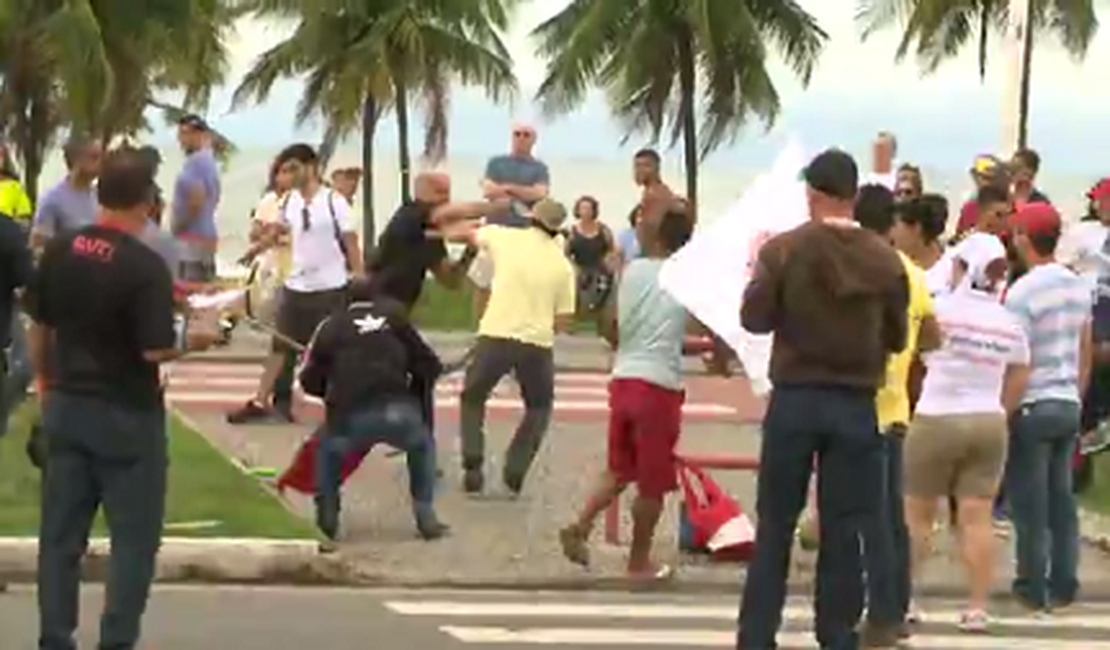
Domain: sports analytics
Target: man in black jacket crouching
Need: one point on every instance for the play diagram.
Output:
(361, 362)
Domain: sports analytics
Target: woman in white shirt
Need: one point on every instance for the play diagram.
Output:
(957, 441)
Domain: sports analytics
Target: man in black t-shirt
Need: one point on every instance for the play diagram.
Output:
(103, 312)
(412, 245)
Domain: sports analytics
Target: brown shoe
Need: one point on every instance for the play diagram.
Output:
(876, 635)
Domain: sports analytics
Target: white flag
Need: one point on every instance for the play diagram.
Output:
(709, 275)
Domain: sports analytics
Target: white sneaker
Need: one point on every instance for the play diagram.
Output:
(914, 615)
(975, 621)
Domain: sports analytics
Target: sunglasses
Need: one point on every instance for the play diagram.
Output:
(522, 134)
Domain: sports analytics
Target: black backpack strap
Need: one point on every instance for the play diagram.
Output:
(335, 226)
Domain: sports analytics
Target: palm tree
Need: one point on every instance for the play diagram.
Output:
(95, 65)
(935, 31)
(654, 57)
(361, 59)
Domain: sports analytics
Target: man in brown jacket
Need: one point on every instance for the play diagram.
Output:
(835, 297)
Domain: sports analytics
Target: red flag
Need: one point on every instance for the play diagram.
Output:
(301, 473)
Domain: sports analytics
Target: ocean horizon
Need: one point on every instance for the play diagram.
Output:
(610, 182)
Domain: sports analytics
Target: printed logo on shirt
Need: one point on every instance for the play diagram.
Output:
(94, 248)
(368, 324)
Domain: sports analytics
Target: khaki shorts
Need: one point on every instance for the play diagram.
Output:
(959, 455)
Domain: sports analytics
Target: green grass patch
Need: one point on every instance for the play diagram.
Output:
(208, 497)
(452, 310)
(1097, 496)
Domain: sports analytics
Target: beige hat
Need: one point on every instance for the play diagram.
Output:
(550, 213)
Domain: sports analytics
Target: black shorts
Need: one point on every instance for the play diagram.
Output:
(300, 312)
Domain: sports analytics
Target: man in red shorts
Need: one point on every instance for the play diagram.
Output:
(645, 396)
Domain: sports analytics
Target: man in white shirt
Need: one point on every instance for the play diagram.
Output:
(325, 253)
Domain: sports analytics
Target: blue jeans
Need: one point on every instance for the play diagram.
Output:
(887, 543)
(838, 428)
(399, 423)
(1042, 504)
(99, 453)
(17, 374)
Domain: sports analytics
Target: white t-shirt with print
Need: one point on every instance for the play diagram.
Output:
(318, 262)
(981, 338)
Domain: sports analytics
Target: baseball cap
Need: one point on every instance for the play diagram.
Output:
(1037, 219)
(834, 173)
(551, 214)
(194, 121)
(1100, 191)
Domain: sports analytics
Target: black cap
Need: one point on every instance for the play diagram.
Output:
(194, 121)
(834, 173)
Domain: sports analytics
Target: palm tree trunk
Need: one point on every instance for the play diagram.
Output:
(402, 107)
(369, 127)
(687, 85)
(1027, 73)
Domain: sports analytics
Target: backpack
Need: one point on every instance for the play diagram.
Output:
(334, 223)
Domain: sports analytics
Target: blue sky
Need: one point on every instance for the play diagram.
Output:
(940, 120)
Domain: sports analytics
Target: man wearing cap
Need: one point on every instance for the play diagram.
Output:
(1090, 255)
(196, 196)
(1053, 305)
(532, 297)
(835, 296)
(986, 171)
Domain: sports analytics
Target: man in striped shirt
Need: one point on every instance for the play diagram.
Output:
(1054, 305)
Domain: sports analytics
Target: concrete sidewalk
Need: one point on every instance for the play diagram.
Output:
(502, 543)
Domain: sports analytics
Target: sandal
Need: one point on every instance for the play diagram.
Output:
(575, 545)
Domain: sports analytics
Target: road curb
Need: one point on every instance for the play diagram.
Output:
(215, 560)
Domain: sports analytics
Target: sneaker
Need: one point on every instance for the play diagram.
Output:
(876, 635)
(514, 483)
(975, 621)
(473, 481)
(431, 530)
(914, 615)
(252, 411)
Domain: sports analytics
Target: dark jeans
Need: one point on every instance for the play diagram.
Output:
(396, 422)
(534, 369)
(16, 373)
(99, 453)
(283, 384)
(887, 543)
(837, 426)
(1042, 505)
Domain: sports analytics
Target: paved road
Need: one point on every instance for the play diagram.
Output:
(279, 619)
(579, 396)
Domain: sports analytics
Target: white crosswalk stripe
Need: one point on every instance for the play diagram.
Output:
(635, 622)
(228, 385)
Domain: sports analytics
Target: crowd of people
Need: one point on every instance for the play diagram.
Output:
(908, 371)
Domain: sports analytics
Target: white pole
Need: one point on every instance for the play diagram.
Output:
(1014, 49)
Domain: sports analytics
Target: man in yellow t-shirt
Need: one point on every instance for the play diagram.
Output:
(886, 544)
(532, 296)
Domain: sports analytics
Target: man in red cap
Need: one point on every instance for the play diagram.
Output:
(1054, 307)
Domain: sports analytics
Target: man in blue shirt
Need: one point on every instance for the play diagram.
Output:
(196, 196)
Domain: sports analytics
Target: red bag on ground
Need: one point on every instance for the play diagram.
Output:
(301, 473)
(717, 522)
